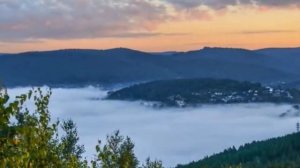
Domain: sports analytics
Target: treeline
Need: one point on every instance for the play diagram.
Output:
(282, 152)
(30, 139)
(189, 92)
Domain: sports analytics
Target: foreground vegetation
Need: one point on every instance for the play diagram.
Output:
(283, 152)
(29, 139)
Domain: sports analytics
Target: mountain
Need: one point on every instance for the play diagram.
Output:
(166, 53)
(280, 52)
(282, 152)
(235, 64)
(295, 84)
(283, 56)
(192, 92)
(77, 67)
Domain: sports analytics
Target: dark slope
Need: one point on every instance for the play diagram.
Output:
(295, 84)
(81, 67)
(280, 52)
(166, 53)
(282, 152)
(283, 59)
(192, 92)
(236, 64)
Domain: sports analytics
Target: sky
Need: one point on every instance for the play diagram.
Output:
(148, 25)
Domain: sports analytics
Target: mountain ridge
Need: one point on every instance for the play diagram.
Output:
(123, 65)
(159, 52)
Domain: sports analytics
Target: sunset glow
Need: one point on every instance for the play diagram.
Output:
(149, 25)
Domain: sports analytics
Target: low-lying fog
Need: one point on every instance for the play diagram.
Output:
(172, 135)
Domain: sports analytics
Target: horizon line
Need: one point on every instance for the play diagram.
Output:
(163, 51)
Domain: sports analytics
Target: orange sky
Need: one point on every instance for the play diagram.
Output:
(241, 27)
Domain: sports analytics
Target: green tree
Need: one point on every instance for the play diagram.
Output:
(69, 142)
(29, 139)
(152, 164)
(70, 149)
(117, 153)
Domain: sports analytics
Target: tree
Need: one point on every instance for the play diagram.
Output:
(152, 164)
(117, 153)
(69, 142)
(31, 139)
(70, 150)
(28, 138)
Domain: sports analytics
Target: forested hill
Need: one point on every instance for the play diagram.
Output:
(190, 92)
(77, 67)
(283, 152)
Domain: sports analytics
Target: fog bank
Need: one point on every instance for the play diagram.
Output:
(170, 134)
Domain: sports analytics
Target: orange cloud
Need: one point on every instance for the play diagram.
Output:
(150, 25)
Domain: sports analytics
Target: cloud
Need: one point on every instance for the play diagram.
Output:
(179, 4)
(144, 34)
(265, 32)
(278, 3)
(28, 20)
(68, 19)
(172, 135)
(208, 9)
(220, 4)
(185, 4)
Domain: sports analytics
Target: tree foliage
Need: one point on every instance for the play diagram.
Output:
(29, 138)
(117, 153)
(282, 152)
(152, 164)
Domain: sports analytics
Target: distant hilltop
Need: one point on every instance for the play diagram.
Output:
(78, 67)
(193, 92)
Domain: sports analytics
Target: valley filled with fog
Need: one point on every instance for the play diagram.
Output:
(174, 135)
